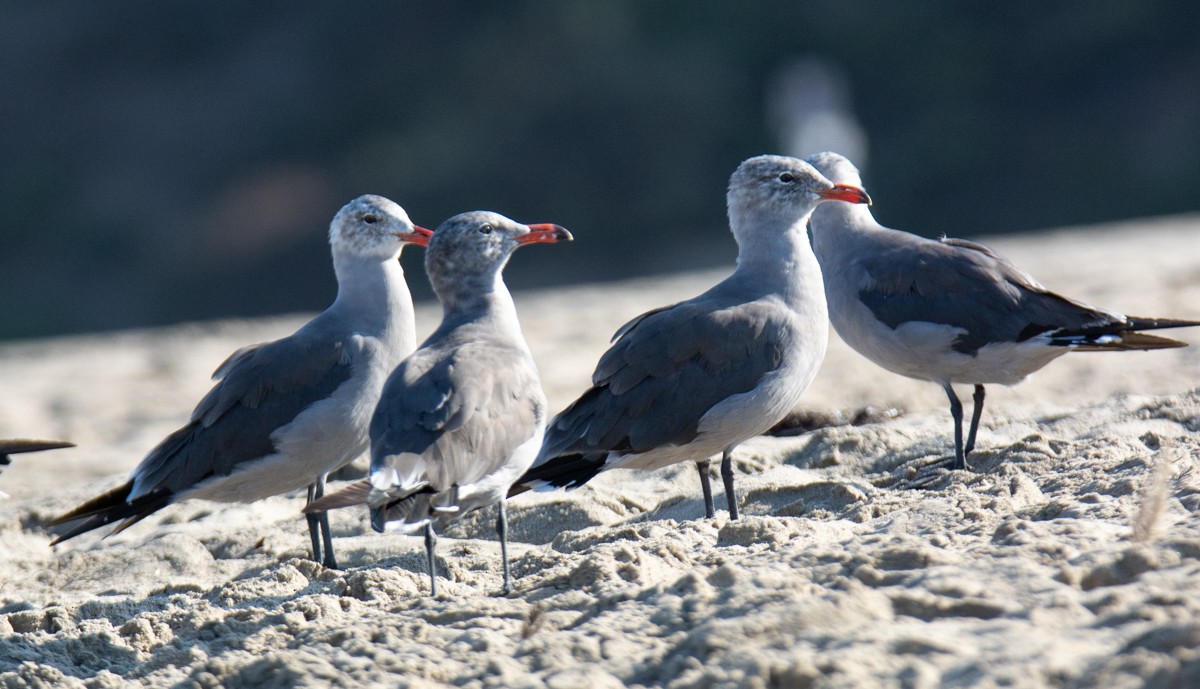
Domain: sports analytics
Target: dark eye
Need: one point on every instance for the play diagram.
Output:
(370, 218)
(485, 229)
(786, 177)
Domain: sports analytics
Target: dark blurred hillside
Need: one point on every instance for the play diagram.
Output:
(172, 161)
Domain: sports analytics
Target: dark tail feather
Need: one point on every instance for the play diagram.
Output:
(19, 445)
(353, 494)
(108, 508)
(1129, 341)
(412, 507)
(399, 508)
(1138, 323)
(1114, 342)
(564, 471)
(105, 502)
(1115, 337)
(93, 523)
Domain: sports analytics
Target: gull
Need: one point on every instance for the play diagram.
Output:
(952, 311)
(286, 413)
(688, 381)
(462, 417)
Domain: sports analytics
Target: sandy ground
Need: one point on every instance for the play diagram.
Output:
(1071, 559)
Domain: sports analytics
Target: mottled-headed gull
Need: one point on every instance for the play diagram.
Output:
(692, 380)
(952, 311)
(463, 416)
(285, 413)
(19, 446)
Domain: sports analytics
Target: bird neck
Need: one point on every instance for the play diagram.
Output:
(778, 257)
(481, 298)
(373, 294)
(837, 229)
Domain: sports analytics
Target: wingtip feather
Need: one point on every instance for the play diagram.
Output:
(101, 503)
(1127, 341)
(19, 445)
(353, 494)
(1141, 323)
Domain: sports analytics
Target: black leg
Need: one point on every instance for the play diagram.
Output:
(502, 530)
(710, 510)
(976, 414)
(314, 525)
(956, 410)
(727, 478)
(330, 559)
(430, 544)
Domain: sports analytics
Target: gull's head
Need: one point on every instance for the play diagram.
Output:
(374, 227)
(836, 167)
(479, 243)
(785, 188)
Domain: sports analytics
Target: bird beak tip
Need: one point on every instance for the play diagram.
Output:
(419, 236)
(545, 233)
(848, 193)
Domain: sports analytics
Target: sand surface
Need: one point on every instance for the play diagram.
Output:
(1071, 559)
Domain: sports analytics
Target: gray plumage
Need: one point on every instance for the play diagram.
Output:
(285, 413)
(688, 381)
(952, 311)
(463, 416)
(651, 389)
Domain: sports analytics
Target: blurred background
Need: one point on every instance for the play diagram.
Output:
(163, 162)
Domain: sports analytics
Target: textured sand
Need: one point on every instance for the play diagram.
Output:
(1072, 559)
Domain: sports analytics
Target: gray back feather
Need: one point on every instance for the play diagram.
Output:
(668, 368)
(261, 388)
(465, 404)
(965, 285)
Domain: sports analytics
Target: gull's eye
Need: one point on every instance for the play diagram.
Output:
(485, 229)
(370, 218)
(787, 177)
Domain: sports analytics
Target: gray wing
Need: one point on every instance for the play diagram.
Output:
(261, 388)
(667, 370)
(966, 285)
(466, 411)
(635, 321)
